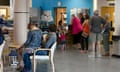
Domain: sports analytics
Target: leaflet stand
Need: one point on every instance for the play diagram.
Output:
(13, 54)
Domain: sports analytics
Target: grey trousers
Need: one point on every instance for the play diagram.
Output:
(106, 42)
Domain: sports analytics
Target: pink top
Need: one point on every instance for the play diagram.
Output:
(62, 37)
(76, 25)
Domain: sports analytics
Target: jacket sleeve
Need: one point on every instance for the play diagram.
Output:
(50, 41)
(29, 37)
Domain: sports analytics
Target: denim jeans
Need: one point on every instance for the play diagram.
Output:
(27, 60)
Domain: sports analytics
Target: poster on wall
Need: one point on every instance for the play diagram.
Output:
(86, 10)
(47, 16)
(76, 11)
(73, 11)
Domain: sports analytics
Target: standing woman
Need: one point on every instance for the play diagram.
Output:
(85, 33)
(106, 35)
(81, 17)
(76, 31)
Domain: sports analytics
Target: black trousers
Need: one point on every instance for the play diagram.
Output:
(84, 43)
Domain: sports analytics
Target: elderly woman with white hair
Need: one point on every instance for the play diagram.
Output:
(106, 35)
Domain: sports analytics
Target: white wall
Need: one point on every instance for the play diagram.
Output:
(117, 17)
(101, 3)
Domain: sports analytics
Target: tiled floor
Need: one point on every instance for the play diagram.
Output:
(72, 61)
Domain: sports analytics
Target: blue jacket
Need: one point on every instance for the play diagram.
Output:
(34, 39)
(1, 37)
(52, 38)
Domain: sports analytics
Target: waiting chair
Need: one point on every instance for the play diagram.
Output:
(48, 57)
(1, 62)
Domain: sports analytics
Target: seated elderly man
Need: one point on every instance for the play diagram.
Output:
(33, 41)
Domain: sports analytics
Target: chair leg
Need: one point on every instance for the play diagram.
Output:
(1, 67)
(34, 65)
(53, 66)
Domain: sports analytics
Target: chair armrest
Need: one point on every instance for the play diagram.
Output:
(38, 49)
(41, 49)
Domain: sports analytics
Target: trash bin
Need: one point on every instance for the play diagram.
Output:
(116, 46)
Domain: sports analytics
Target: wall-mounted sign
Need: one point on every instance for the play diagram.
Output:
(59, 3)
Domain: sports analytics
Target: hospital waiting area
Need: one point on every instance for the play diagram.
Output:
(59, 36)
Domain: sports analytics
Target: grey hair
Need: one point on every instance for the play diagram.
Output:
(107, 16)
(96, 12)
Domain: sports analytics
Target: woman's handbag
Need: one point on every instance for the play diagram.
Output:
(84, 34)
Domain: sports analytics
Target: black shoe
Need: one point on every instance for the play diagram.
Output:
(79, 48)
(106, 54)
(19, 69)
